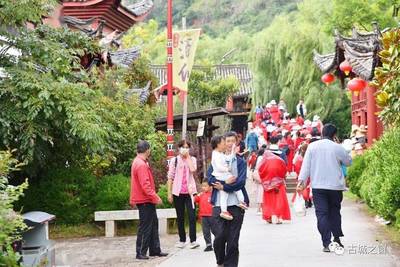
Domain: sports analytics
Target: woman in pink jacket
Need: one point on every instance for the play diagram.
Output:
(181, 188)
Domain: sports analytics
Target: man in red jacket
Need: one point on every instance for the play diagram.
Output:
(144, 196)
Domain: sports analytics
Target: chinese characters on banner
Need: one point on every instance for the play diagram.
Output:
(184, 49)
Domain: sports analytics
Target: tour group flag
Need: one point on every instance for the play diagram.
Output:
(184, 49)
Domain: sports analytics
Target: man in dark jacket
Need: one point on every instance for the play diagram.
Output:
(226, 243)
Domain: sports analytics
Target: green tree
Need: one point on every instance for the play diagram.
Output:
(387, 78)
(17, 13)
(150, 39)
(205, 89)
(360, 13)
(11, 223)
(48, 103)
(284, 65)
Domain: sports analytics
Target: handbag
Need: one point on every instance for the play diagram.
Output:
(299, 205)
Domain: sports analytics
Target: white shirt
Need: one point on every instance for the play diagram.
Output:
(304, 109)
(219, 162)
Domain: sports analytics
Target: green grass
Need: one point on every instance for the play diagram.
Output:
(351, 196)
(124, 228)
(75, 231)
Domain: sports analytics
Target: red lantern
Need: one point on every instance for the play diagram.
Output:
(356, 85)
(328, 78)
(345, 67)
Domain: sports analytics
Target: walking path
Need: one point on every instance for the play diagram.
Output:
(294, 244)
(297, 244)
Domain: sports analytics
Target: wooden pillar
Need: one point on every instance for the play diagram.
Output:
(353, 109)
(204, 155)
(209, 123)
(229, 104)
(371, 116)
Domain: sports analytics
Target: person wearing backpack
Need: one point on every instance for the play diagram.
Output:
(181, 188)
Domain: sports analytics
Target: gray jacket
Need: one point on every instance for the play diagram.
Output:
(322, 163)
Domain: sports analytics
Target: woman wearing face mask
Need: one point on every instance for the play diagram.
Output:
(181, 188)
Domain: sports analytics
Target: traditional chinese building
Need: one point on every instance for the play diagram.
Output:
(239, 105)
(361, 51)
(112, 14)
(105, 21)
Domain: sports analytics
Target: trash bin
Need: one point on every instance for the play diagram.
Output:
(37, 249)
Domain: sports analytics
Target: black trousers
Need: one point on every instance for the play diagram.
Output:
(180, 203)
(327, 205)
(147, 237)
(226, 242)
(206, 224)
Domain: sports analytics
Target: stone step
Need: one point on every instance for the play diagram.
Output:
(290, 190)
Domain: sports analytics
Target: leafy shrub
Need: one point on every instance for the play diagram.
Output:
(397, 215)
(380, 182)
(67, 193)
(355, 172)
(10, 222)
(113, 193)
(387, 78)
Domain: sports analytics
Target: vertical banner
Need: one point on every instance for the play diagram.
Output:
(184, 49)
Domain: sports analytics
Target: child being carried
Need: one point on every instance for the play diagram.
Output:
(222, 170)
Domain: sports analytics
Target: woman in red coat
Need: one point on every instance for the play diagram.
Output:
(272, 174)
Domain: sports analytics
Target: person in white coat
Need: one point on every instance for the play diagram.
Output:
(301, 108)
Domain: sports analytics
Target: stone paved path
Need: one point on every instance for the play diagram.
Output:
(294, 244)
(104, 252)
(297, 244)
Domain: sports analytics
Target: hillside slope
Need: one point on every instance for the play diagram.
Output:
(218, 17)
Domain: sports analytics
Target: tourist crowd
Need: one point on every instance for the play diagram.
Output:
(276, 145)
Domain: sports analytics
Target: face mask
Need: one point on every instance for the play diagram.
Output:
(183, 151)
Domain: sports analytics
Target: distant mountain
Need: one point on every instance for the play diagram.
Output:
(218, 17)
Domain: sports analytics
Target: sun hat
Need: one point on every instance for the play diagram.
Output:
(275, 149)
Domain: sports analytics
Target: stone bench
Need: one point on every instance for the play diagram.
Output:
(123, 215)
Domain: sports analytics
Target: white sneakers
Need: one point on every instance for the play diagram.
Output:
(194, 245)
(191, 245)
(180, 245)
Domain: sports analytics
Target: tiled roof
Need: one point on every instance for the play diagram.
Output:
(77, 22)
(326, 63)
(138, 9)
(141, 8)
(84, 25)
(144, 93)
(360, 50)
(242, 72)
(124, 58)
